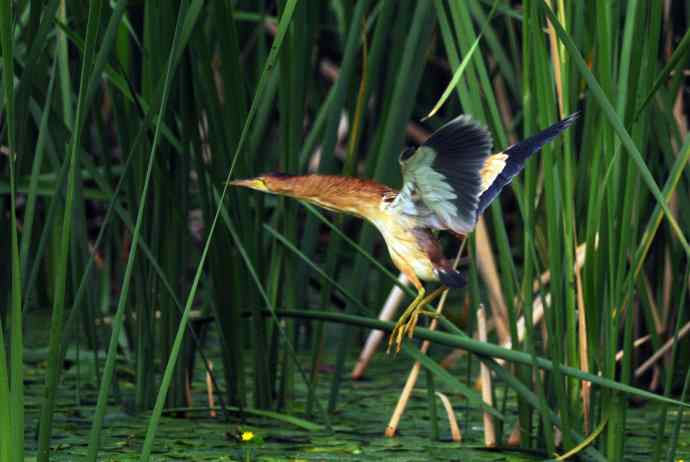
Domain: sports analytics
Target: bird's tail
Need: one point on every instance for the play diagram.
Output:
(518, 155)
(452, 278)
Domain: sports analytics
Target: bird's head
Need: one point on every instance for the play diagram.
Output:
(275, 183)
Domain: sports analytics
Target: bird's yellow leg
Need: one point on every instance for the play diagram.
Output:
(399, 329)
(421, 310)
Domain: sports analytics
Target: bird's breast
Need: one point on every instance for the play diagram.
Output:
(408, 244)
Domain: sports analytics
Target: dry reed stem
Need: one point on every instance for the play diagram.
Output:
(485, 374)
(187, 390)
(537, 309)
(390, 307)
(656, 378)
(586, 387)
(503, 103)
(452, 421)
(656, 318)
(486, 264)
(515, 437)
(661, 351)
(636, 344)
(418, 134)
(667, 282)
(209, 390)
(556, 54)
(392, 427)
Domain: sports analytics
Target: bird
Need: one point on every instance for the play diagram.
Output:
(448, 182)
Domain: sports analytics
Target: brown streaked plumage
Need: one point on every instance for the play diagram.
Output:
(448, 182)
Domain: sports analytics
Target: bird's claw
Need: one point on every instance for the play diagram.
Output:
(412, 323)
(406, 325)
(396, 335)
(408, 320)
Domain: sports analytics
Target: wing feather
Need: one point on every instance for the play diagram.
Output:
(491, 169)
(442, 179)
(452, 178)
(517, 155)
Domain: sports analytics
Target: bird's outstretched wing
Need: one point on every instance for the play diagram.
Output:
(516, 156)
(444, 177)
(452, 178)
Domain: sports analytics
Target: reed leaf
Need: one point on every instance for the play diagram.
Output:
(617, 125)
(285, 21)
(104, 389)
(485, 349)
(12, 377)
(54, 366)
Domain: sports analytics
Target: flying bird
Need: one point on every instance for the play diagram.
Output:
(448, 182)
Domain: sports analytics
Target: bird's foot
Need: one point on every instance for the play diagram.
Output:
(409, 319)
(412, 323)
(406, 325)
(400, 328)
(414, 319)
(398, 333)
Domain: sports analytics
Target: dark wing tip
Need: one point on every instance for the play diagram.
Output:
(518, 155)
(521, 151)
(569, 120)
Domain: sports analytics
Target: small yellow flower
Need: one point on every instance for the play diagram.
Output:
(247, 436)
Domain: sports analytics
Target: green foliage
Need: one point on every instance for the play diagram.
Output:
(121, 124)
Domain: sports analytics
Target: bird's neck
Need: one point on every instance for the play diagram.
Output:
(353, 196)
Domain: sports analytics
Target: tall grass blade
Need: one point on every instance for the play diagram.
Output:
(12, 378)
(674, 61)
(121, 124)
(679, 419)
(285, 20)
(7, 437)
(104, 389)
(617, 125)
(430, 365)
(274, 317)
(389, 140)
(283, 240)
(56, 330)
(457, 386)
(458, 73)
(483, 349)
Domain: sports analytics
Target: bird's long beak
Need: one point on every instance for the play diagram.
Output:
(252, 183)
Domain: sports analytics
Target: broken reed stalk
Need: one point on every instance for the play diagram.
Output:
(452, 421)
(209, 391)
(661, 351)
